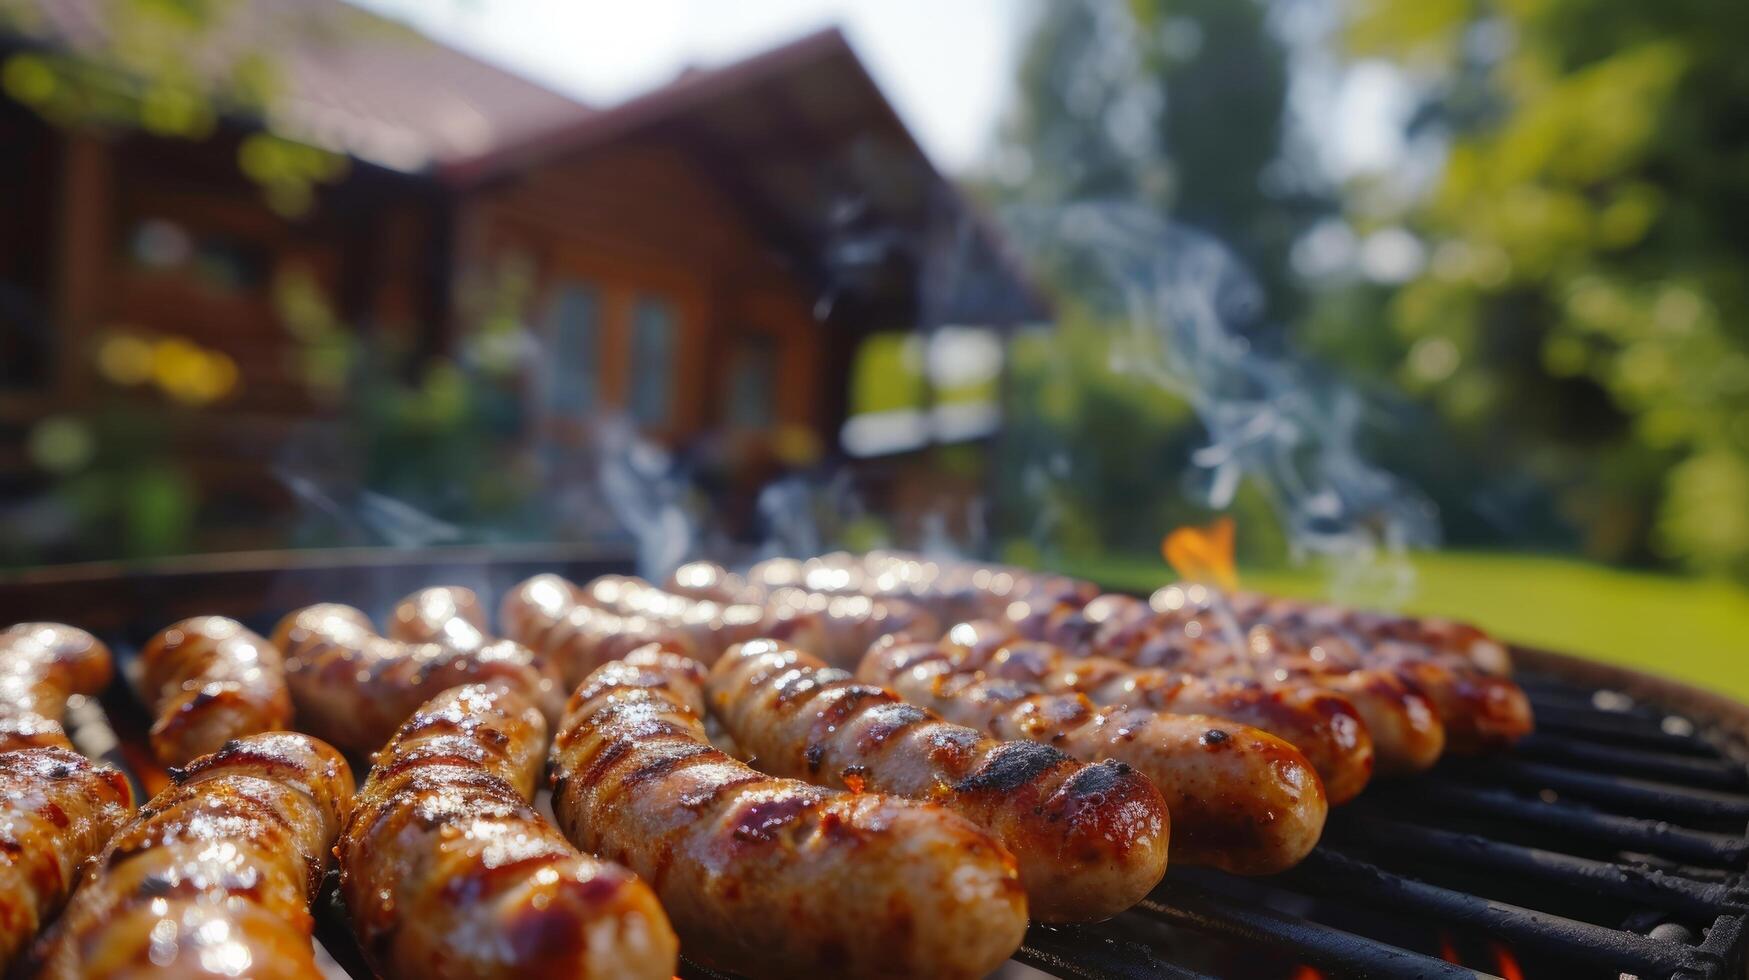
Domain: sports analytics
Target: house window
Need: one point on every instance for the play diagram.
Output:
(653, 330)
(217, 262)
(573, 330)
(752, 383)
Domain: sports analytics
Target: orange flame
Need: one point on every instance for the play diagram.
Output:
(1507, 964)
(1203, 554)
(1447, 951)
(1303, 972)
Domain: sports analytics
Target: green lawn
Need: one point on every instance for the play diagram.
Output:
(1691, 629)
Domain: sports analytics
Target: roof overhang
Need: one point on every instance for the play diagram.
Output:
(802, 138)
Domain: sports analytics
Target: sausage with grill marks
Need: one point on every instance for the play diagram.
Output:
(1322, 725)
(1463, 640)
(949, 591)
(773, 876)
(41, 666)
(1091, 839)
(216, 874)
(543, 615)
(712, 626)
(1407, 733)
(354, 687)
(447, 871)
(843, 627)
(209, 680)
(56, 811)
(1241, 799)
(1479, 710)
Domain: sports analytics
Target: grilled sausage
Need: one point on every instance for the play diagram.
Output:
(447, 871)
(1407, 733)
(1438, 635)
(1322, 725)
(709, 580)
(41, 666)
(453, 617)
(543, 615)
(354, 687)
(774, 876)
(215, 876)
(852, 620)
(1479, 710)
(56, 811)
(844, 627)
(951, 591)
(712, 626)
(835, 627)
(209, 680)
(1091, 839)
(1241, 799)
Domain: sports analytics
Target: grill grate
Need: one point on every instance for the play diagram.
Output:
(1614, 841)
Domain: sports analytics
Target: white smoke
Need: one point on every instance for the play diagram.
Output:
(1190, 306)
(647, 497)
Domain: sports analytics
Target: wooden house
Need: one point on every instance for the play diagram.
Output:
(706, 259)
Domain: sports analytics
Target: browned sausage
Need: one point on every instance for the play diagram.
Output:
(447, 870)
(41, 666)
(1091, 839)
(543, 615)
(215, 876)
(838, 628)
(1438, 635)
(209, 680)
(952, 590)
(843, 627)
(774, 876)
(1479, 710)
(712, 626)
(1321, 724)
(354, 687)
(56, 811)
(1407, 733)
(1241, 799)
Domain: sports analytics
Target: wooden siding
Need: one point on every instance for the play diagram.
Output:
(641, 219)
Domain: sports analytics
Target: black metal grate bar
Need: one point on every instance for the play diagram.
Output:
(1626, 833)
(1327, 872)
(1713, 773)
(1638, 796)
(1723, 945)
(1088, 953)
(1629, 883)
(1614, 729)
(1321, 946)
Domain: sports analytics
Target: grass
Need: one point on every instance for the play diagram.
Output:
(1693, 630)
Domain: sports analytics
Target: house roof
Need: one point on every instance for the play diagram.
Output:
(800, 136)
(803, 137)
(345, 79)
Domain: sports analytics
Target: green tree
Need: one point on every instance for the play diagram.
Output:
(1176, 105)
(1584, 316)
(176, 69)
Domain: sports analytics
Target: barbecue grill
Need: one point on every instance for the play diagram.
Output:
(1611, 843)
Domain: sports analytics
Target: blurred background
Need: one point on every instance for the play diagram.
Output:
(1445, 303)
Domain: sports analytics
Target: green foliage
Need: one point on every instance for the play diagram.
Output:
(1176, 105)
(1094, 455)
(139, 75)
(887, 374)
(1585, 315)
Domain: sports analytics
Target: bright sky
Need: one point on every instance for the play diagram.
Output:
(947, 65)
